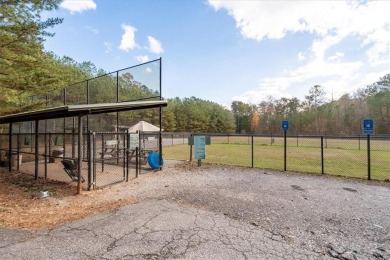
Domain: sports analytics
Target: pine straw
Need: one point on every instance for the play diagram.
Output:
(21, 208)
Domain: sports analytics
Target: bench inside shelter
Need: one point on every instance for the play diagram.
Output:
(110, 149)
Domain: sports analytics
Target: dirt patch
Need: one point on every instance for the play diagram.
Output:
(21, 208)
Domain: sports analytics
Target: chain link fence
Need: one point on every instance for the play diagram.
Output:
(107, 157)
(351, 156)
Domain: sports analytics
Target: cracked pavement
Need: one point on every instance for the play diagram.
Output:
(223, 213)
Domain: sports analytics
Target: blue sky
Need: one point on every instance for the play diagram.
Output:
(232, 50)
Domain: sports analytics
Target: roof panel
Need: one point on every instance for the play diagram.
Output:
(80, 110)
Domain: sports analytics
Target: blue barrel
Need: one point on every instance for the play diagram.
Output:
(154, 160)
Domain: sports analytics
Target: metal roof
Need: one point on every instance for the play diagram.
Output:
(80, 110)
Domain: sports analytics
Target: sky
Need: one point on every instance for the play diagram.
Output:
(228, 50)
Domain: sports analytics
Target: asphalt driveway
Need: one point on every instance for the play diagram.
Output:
(223, 213)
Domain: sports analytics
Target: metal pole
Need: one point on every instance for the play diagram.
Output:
(36, 148)
(124, 155)
(102, 152)
(285, 150)
(87, 103)
(127, 154)
(191, 148)
(90, 159)
(136, 162)
(73, 135)
(80, 155)
(368, 158)
(160, 140)
(45, 136)
(160, 137)
(50, 146)
(322, 155)
(18, 150)
(252, 153)
(94, 159)
(9, 147)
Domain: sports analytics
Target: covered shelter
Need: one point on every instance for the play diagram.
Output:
(144, 126)
(75, 111)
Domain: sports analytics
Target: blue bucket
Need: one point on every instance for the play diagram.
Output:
(154, 160)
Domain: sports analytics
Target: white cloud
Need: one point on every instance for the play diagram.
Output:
(148, 70)
(78, 6)
(301, 56)
(329, 23)
(108, 47)
(93, 30)
(142, 58)
(336, 57)
(332, 75)
(154, 45)
(128, 38)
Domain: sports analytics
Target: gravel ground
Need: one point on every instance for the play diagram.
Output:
(336, 217)
(216, 212)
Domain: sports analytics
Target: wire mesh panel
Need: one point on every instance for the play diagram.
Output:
(306, 157)
(76, 94)
(345, 157)
(103, 89)
(236, 152)
(110, 158)
(140, 82)
(380, 157)
(267, 153)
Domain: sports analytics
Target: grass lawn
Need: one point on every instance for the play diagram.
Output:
(339, 159)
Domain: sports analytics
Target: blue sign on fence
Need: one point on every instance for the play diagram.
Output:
(368, 126)
(285, 125)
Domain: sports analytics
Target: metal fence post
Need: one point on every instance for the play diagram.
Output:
(136, 161)
(322, 155)
(90, 156)
(127, 153)
(102, 152)
(252, 152)
(94, 159)
(18, 151)
(285, 150)
(368, 158)
(191, 150)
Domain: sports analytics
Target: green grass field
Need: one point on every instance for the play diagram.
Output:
(341, 156)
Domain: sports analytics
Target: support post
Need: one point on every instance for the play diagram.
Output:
(191, 150)
(322, 155)
(285, 150)
(90, 150)
(160, 142)
(368, 158)
(9, 147)
(36, 148)
(252, 153)
(136, 161)
(46, 147)
(127, 153)
(80, 153)
(17, 150)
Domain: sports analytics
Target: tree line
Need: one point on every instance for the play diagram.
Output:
(26, 70)
(314, 115)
